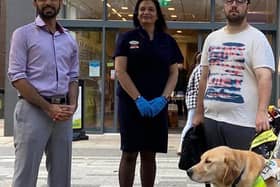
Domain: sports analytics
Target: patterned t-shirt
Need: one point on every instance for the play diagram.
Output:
(231, 95)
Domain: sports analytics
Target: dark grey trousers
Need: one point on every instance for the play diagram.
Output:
(220, 133)
(34, 134)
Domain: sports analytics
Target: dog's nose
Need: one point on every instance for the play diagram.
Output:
(190, 172)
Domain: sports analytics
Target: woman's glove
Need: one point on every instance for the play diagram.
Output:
(144, 107)
(158, 104)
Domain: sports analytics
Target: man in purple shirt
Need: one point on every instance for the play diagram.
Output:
(44, 67)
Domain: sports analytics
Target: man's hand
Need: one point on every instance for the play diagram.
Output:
(198, 119)
(52, 110)
(262, 121)
(66, 112)
(61, 112)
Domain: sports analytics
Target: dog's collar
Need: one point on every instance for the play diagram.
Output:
(237, 180)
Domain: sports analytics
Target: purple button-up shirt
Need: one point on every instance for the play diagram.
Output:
(48, 61)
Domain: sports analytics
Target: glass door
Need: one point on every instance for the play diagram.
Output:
(90, 46)
(110, 108)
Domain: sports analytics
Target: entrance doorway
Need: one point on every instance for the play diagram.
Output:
(100, 101)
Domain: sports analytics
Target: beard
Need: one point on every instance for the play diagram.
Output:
(48, 12)
(236, 18)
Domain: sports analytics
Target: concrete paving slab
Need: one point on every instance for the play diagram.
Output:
(95, 163)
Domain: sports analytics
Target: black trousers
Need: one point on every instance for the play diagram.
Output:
(219, 133)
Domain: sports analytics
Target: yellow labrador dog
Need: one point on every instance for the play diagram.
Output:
(223, 167)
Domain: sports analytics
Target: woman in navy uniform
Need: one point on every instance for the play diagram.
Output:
(146, 66)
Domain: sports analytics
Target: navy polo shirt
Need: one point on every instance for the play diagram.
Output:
(148, 60)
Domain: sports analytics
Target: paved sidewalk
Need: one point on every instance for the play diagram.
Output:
(95, 163)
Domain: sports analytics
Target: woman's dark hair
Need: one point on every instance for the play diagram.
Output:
(160, 24)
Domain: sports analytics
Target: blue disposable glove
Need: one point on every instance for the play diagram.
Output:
(158, 104)
(144, 107)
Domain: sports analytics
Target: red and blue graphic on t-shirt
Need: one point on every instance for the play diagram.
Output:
(227, 64)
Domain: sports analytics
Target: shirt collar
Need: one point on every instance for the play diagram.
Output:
(40, 23)
(144, 33)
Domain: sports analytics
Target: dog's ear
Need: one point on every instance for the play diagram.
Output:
(232, 171)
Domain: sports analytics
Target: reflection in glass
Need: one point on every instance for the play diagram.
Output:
(109, 81)
(90, 46)
(83, 9)
(260, 11)
(173, 10)
(187, 41)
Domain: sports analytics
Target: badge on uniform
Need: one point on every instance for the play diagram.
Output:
(133, 44)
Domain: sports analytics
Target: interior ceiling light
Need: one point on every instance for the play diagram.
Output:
(130, 15)
(119, 14)
(173, 16)
(171, 8)
(179, 31)
(124, 8)
(124, 19)
(108, 5)
(114, 10)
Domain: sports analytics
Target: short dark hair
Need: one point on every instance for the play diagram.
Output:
(160, 24)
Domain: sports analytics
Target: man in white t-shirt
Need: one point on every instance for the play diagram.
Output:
(236, 81)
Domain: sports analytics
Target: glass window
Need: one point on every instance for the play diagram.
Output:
(173, 10)
(110, 81)
(260, 11)
(83, 9)
(90, 53)
(187, 41)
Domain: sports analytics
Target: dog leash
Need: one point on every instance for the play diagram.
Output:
(237, 180)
